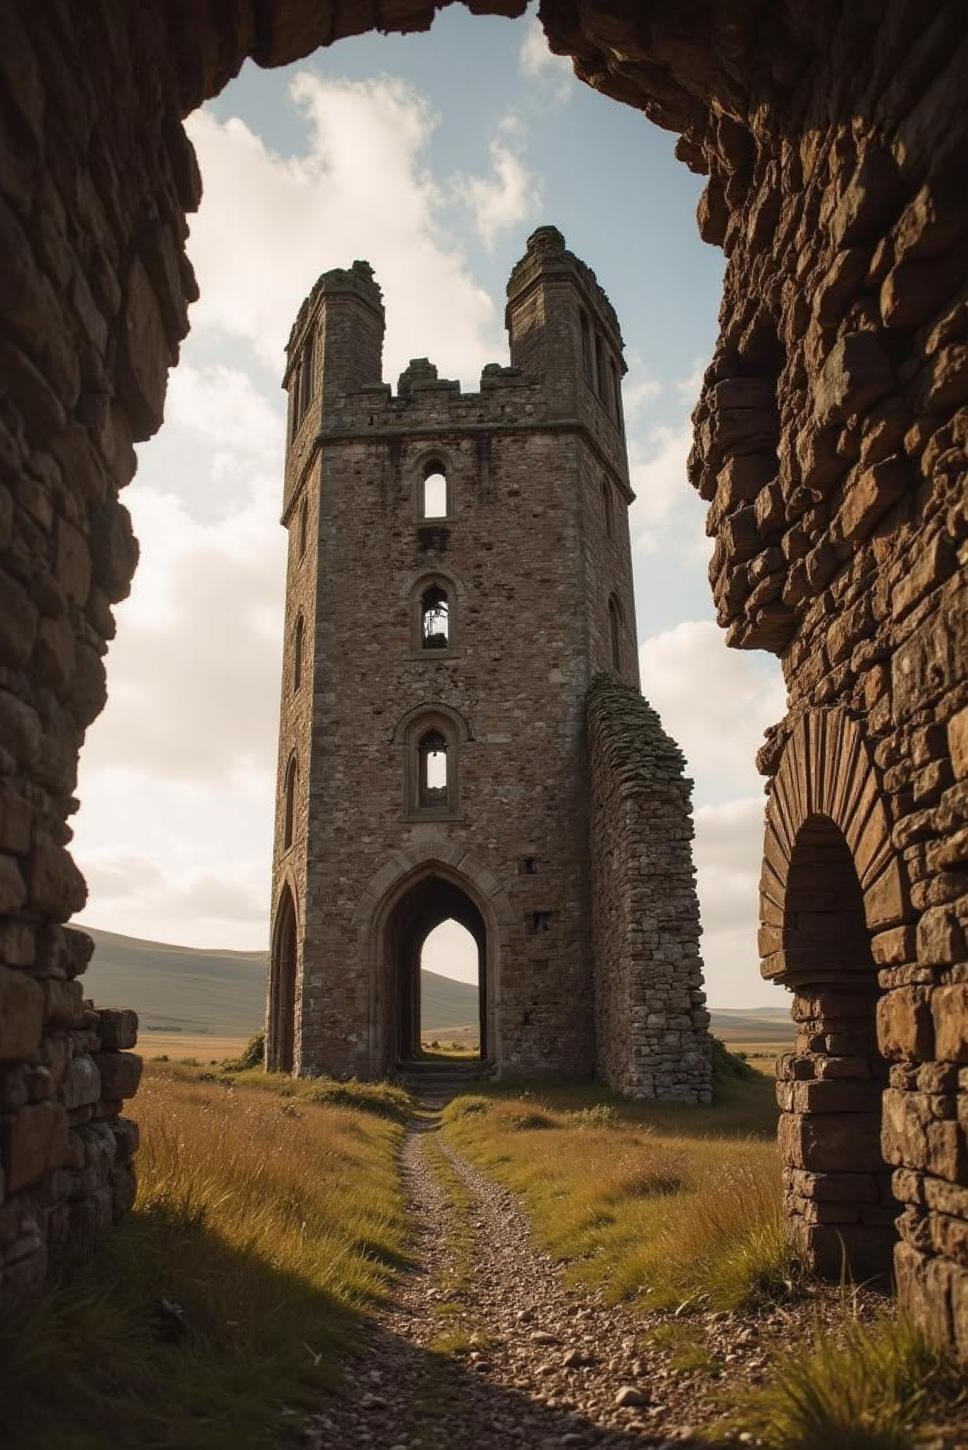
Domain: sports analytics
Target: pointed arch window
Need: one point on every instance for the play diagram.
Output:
(615, 632)
(289, 803)
(607, 508)
(298, 635)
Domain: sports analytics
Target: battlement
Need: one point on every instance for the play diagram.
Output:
(565, 367)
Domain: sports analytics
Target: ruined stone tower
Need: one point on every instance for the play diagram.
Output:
(459, 574)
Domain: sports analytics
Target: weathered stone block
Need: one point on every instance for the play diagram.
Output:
(856, 373)
(117, 1028)
(120, 1074)
(949, 1009)
(904, 1024)
(34, 1140)
(21, 1015)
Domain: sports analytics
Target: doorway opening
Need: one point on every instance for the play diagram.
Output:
(840, 1185)
(423, 991)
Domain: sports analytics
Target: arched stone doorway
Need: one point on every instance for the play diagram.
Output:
(838, 1184)
(429, 902)
(281, 1036)
(832, 897)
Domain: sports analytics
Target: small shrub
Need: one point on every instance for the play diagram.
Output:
(598, 1115)
(467, 1107)
(530, 1119)
(251, 1057)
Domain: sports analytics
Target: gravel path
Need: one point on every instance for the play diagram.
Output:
(533, 1361)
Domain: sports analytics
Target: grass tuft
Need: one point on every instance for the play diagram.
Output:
(876, 1386)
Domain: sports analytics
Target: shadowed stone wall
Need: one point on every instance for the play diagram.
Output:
(830, 445)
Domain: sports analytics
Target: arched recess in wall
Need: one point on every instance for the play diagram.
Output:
(280, 1043)
(298, 640)
(831, 882)
(433, 488)
(433, 604)
(290, 785)
(615, 633)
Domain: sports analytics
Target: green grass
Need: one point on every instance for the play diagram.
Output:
(673, 1207)
(264, 1227)
(879, 1386)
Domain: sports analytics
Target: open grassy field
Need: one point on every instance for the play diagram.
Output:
(264, 1227)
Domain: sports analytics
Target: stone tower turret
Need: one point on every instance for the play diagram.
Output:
(459, 571)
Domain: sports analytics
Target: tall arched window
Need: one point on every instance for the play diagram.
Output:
(434, 502)
(615, 632)
(303, 526)
(616, 394)
(297, 653)
(607, 507)
(295, 398)
(601, 376)
(434, 774)
(434, 618)
(289, 803)
(432, 738)
(307, 379)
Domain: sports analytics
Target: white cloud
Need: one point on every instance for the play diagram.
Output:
(505, 198)
(268, 226)
(657, 468)
(728, 851)
(715, 701)
(554, 74)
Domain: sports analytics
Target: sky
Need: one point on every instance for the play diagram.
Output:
(380, 148)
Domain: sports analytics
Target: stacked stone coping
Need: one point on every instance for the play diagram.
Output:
(651, 1021)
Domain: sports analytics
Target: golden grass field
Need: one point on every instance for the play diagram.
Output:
(265, 1225)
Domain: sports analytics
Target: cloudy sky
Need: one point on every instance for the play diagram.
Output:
(381, 149)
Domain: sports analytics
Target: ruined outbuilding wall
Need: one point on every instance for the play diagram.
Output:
(651, 1024)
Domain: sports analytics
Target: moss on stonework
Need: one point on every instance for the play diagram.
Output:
(630, 734)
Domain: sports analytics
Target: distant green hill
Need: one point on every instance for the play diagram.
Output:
(192, 990)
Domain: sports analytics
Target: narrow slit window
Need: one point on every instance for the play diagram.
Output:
(616, 395)
(303, 527)
(434, 618)
(295, 399)
(289, 808)
(307, 375)
(600, 375)
(615, 632)
(586, 344)
(433, 497)
(297, 653)
(432, 753)
(607, 507)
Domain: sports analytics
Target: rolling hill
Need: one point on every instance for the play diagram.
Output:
(196, 991)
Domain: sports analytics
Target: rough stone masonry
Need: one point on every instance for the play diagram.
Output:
(476, 631)
(830, 446)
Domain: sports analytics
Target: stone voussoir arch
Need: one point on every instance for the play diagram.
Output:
(827, 770)
(405, 865)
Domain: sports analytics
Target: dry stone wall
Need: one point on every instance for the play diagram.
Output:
(830, 444)
(651, 1024)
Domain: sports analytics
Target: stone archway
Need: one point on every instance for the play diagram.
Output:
(832, 886)
(429, 901)
(467, 886)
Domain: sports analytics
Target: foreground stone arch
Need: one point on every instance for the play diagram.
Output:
(830, 445)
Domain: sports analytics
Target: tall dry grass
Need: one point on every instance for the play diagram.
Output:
(263, 1226)
(669, 1206)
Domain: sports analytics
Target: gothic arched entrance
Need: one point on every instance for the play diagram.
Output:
(424, 906)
